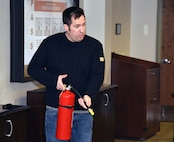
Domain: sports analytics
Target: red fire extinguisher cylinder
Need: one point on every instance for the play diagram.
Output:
(65, 114)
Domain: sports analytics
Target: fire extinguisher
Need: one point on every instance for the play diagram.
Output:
(65, 114)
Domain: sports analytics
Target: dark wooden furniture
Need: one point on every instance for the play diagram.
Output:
(138, 96)
(36, 115)
(13, 124)
(104, 117)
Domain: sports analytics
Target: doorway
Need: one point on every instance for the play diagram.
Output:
(165, 53)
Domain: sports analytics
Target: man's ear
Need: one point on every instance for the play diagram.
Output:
(66, 27)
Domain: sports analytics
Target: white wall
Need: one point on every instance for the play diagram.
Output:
(121, 13)
(95, 18)
(9, 92)
(143, 29)
(138, 20)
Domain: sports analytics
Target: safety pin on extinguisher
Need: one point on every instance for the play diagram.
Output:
(90, 110)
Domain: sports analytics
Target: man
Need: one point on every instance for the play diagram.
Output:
(72, 58)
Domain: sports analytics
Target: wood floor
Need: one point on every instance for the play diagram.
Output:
(164, 135)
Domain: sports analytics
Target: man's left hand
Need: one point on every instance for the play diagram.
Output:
(85, 101)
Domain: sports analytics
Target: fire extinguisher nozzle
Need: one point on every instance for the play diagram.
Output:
(91, 111)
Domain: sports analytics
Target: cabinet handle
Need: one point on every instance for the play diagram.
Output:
(153, 73)
(11, 128)
(154, 100)
(107, 99)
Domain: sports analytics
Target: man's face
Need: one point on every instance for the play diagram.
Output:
(77, 29)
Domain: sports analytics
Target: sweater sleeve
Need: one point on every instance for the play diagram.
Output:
(37, 66)
(97, 72)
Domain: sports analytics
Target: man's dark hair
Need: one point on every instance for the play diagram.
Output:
(70, 12)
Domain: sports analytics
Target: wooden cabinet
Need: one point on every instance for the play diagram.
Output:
(104, 117)
(13, 124)
(138, 96)
(36, 115)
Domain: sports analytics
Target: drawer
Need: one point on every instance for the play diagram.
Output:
(153, 80)
(153, 108)
(153, 98)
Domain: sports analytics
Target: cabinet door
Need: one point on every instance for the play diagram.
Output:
(104, 117)
(14, 127)
(109, 107)
(153, 109)
(2, 137)
(99, 126)
(36, 116)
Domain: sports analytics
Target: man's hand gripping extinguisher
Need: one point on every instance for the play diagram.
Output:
(65, 114)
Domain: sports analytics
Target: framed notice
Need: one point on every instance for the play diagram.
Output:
(31, 21)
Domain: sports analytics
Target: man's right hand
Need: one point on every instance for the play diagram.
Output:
(60, 85)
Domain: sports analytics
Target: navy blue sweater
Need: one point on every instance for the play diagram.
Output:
(82, 61)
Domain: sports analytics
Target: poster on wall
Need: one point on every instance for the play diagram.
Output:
(39, 19)
(42, 19)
